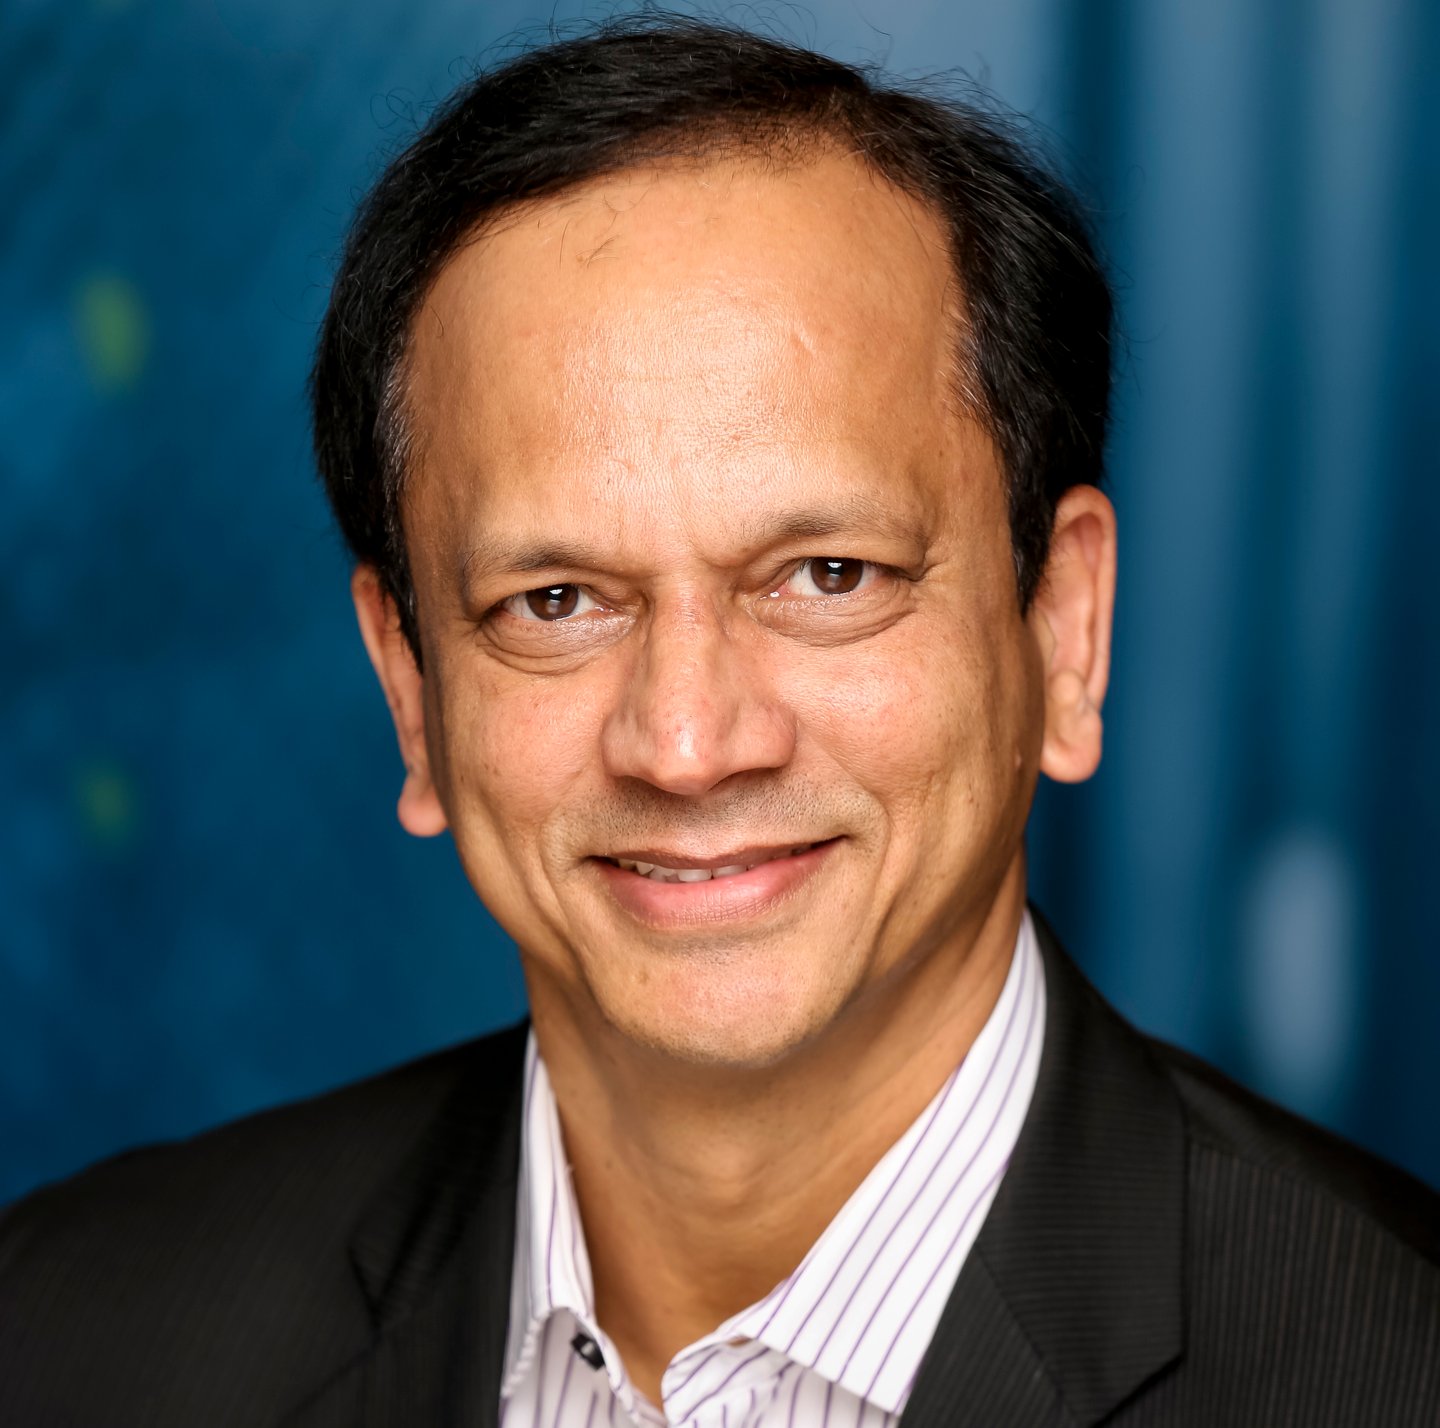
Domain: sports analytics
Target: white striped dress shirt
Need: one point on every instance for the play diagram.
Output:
(838, 1343)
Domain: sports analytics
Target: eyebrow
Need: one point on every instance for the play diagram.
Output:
(856, 512)
(490, 555)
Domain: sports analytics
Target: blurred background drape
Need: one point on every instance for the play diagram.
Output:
(205, 903)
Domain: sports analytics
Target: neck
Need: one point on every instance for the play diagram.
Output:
(700, 1192)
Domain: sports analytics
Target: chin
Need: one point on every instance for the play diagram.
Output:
(743, 1019)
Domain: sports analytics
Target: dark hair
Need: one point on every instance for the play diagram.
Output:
(1035, 329)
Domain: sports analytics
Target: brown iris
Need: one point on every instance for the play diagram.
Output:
(836, 577)
(554, 602)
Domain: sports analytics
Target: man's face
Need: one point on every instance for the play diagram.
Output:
(714, 573)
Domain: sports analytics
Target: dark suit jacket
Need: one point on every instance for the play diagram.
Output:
(1165, 1249)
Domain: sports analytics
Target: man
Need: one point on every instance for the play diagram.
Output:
(717, 434)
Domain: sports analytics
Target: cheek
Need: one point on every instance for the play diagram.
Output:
(512, 753)
(927, 717)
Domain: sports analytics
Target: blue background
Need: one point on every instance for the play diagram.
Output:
(205, 903)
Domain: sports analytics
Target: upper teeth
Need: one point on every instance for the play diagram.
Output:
(660, 874)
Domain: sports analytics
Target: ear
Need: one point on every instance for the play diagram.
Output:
(1070, 618)
(419, 808)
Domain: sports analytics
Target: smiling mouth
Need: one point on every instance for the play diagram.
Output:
(661, 873)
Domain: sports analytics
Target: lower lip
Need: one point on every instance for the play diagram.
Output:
(739, 897)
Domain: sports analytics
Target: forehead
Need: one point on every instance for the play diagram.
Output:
(696, 330)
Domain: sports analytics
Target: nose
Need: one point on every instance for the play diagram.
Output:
(697, 707)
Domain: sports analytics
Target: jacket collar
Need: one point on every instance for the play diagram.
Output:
(432, 1255)
(1073, 1294)
(1070, 1298)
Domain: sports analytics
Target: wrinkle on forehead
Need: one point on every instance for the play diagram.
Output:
(671, 218)
(663, 320)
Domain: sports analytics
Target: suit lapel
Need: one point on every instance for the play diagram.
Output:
(433, 1257)
(1072, 1294)
(1069, 1300)
(981, 1369)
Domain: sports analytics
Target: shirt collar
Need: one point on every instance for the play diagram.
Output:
(552, 1267)
(862, 1306)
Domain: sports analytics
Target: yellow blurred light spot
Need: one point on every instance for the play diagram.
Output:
(114, 329)
(107, 805)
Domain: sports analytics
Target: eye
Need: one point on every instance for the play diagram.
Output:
(830, 575)
(550, 603)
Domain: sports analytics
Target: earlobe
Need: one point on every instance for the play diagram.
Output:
(419, 808)
(1071, 618)
(1074, 729)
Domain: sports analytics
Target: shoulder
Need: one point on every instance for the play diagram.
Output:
(1312, 1263)
(293, 1171)
(1263, 1142)
(1258, 1268)
(152, 1270)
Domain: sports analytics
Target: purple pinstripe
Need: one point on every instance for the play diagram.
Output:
(710, 1354)
(560, 1398)
(964, 1224)
(949, 1118)
(700, 1403)
(920, 1189)
(910, 1382)
(935, 1110)
(785, 1288)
